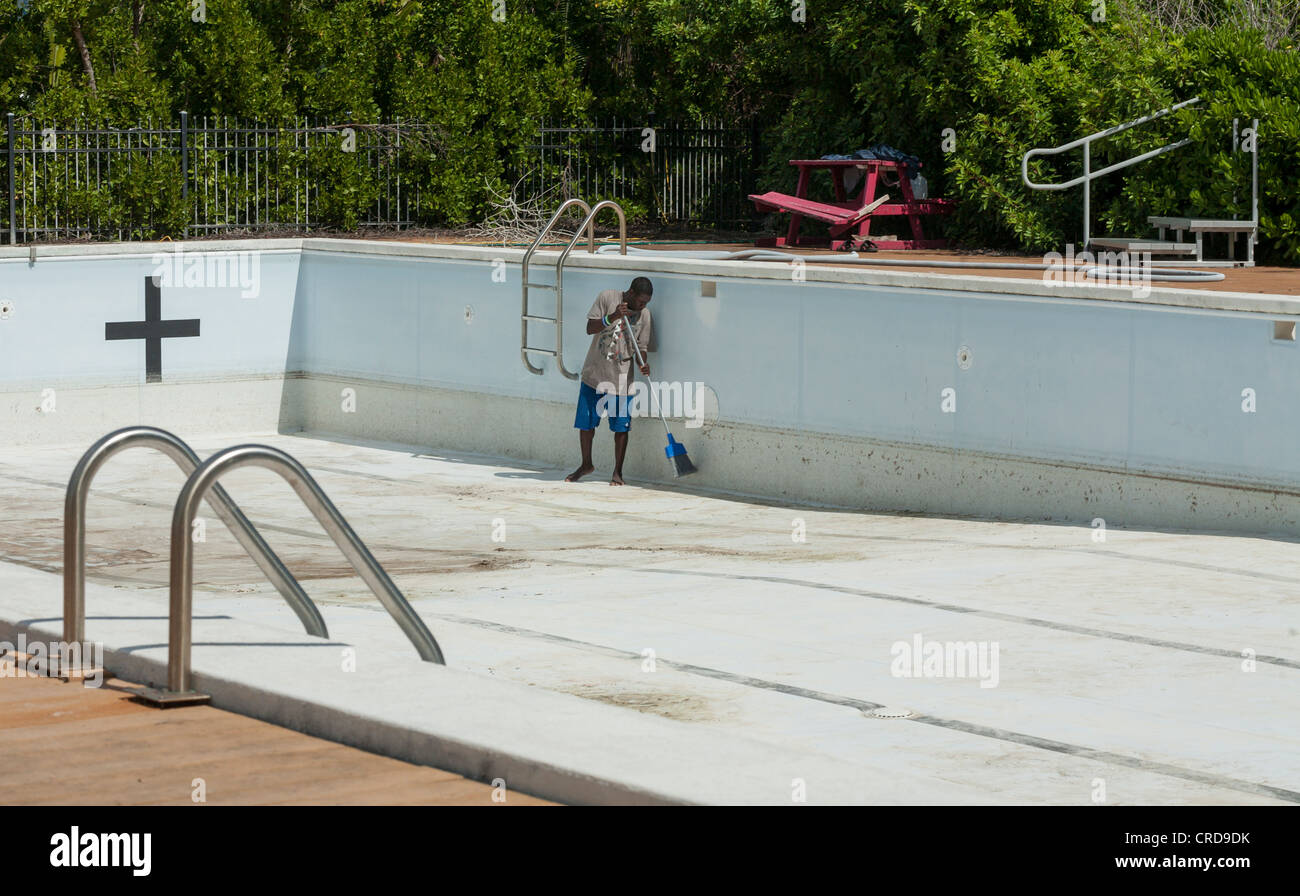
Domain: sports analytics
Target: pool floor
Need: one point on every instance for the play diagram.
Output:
(1143, 667)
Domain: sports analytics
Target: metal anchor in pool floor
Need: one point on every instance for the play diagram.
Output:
(203, 480)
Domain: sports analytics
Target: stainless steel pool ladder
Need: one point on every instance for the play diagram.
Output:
(202, 480)
(74, 529)
(588, 225)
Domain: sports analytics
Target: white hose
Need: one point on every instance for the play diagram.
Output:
(1100, 272)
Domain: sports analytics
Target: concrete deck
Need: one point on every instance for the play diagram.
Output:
(717, 658)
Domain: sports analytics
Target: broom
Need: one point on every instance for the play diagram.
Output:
(676, 451)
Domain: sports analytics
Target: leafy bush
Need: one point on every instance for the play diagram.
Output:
(1236, 76)
(1004, 75)
(1040, 73)
(144, 198)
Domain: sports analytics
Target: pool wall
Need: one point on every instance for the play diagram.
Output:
(866, 389)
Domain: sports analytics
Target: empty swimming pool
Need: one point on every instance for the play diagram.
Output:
(656, 643)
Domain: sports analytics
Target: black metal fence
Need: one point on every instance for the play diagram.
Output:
(203, 176)
(213, 175)
(673, 172)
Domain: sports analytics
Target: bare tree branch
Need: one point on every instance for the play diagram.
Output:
(85, 54)
(519, 220)
(1278, 21)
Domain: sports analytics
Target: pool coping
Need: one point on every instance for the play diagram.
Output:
(811, 274)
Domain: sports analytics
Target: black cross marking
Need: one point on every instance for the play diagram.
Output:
(153, 330)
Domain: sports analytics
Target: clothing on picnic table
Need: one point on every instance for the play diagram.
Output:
(911, 164)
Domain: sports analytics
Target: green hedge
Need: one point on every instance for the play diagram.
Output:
(1040, 73)
(1004, 75)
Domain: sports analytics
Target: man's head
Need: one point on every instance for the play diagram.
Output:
(639, 293)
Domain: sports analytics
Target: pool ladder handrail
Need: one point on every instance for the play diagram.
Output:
(558, 320)
(201, 482)
(1089, 175)
(588, 225)
(179, 689)
(74, 529)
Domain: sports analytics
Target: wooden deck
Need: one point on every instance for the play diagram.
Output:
(65, 744)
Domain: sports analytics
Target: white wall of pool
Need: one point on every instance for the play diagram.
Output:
(1075, 402)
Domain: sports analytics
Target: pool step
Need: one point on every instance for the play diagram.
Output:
(1142, 244)
(1192, 252)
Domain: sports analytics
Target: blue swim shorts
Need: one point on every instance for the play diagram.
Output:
(591, 409)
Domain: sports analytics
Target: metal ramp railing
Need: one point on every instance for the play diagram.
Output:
(1089, 175)
(588, 225)
(202, 482)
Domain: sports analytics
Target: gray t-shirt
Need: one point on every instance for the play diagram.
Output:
(610, 358)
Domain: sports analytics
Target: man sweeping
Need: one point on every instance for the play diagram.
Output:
(613, 321)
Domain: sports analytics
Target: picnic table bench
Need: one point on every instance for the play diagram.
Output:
(850, 217)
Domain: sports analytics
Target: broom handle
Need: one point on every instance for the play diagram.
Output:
(631, 337)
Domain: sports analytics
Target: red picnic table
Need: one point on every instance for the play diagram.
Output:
(850, 218)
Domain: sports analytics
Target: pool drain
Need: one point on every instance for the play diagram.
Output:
(888, 712)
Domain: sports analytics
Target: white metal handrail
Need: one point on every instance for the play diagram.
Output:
(1089, 175)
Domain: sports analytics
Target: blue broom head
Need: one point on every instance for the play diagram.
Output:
(676, 453)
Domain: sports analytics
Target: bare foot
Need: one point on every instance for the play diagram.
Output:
(616, 479)
(579, 473)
